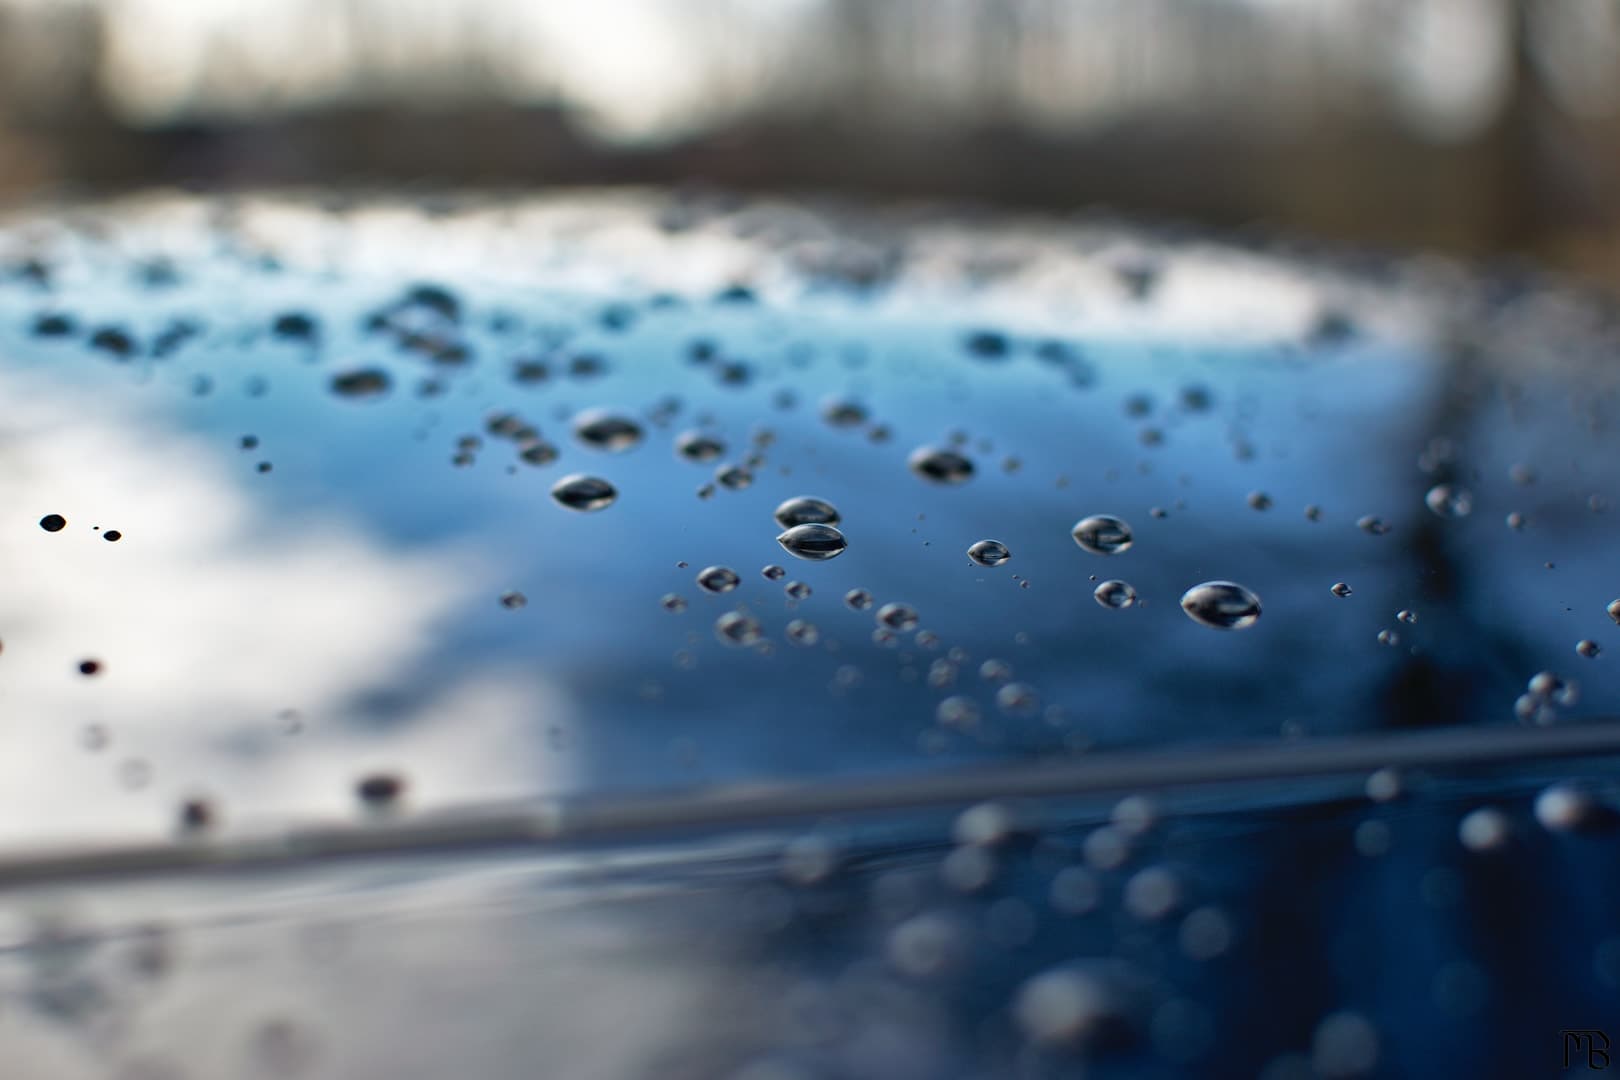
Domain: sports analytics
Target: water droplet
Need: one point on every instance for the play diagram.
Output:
(673, 604)
(898, 616)
(1340, 589)
(814, 542)
(112, 536)
(1546, 685)
(1515, 520)
(538, 453)
(1485, 829)
(798, 590)
(1102, 534)
(584, 493)
(733, 477)
(989, 553)
(600, 429)
(806, 510)
(1259, 500)
(1115, 594)
(1223, 605)
(958, 712)
(699, 446)
(802, 633)
(362, 383)
(89, 667)
(843, 413)
(940, 465)
(1388, 637)
(1407, 616)
(1564, 807)
(718, 579)
(774, 573)
(1588, 648)
(513, 601)
(56, 523)
(736, 628)
(861, 600)
(1313, 513)
(1018, 699)
(995, 671)
(1372, 525)
(1614, 610)
(380, 789)
(1449, 501)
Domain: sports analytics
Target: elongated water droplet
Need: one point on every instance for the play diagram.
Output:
(843, 413)
(364, 383)
(1115, 594)
(1388, 637)
(774, 573)
(989, 553)
(538, 453)
(940, 465)
(699, 446)
(718, 579)
(814, 542)
(584, 493)
(1340, 589)
(603, 430)
(513, 601)
(1102, 534)
(673, 603)
(798, 590)
(733, 477)
(1018, 699)
(806, 510)
(1407, 616)
(898, 616)
(860, 599)
(1449, 501)
(961, 713)
(1224, 605)
(1372, 525)
(736, 628)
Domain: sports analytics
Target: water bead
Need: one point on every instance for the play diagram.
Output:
(1115, 594)
(1224, 605)
(717, 579)
(806, 510)
(940, 465)
(898, 616)
(737, 629)
(816, 543)
(989, 553)
(1102, 534)
(584, 493)
(603, 430)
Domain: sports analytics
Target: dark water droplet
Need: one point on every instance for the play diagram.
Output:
(1372, 525)
(733, 477)
(54, 324)
(774, 573)
(294, 324)
(898, 616)
(987, 344)
(989, 553)
(861, 600)
(380, 789)
(806, 510)
(362, 383)
(584, 493)
(940, 465)
(1102, 534)
(1224, 605)
(699, 446)
(56, 523)
(843, 413)
(673, 603)
(1588, 648)
(1259, 500)
(603, 430)
(538, 453)
(250, 442)
(736, 628)
(196, 815)
(112, 536)
(513, 601)
(1115, 594)
(115, 340)
(89, 667)
(814, 542)
(718, 579)
(1340, 589)
(1313, 513)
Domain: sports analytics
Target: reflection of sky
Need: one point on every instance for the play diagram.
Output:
(358, 581)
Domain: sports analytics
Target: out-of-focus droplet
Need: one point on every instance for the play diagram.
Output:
(362, 383)
(584, 493)
(1485, 829)
(699, 446)
(673, 603)
(1340, 589)
(806, 510)
(600, 429)
(1372, 525)
(774, 573)
(816, 543)
(858, 599)
(738, 629)
(1224, 605)
(1115, 594)
(989, 553)
(1588, 648)
(1259, 500)
(1313, 513)
(802, 633)
(958, 712)
(897, 616)
(733, 477)
(1102, 534)
(1406, 615)
(940, 465)
(798, 590)
(843, 413)
(1449, 501)
(1388, 637)
(1515, 520)
(513, 601)
(1614, 610)
(1018, 699)
(1564, 807)
(717, 579)
(1384, 785)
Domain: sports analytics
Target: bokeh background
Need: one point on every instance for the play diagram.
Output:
(1484, 128)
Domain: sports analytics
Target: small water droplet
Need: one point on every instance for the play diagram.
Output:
(798, 590)
(898, 616)
(1372, 525)
(1588, 648)
(995, 671)
(513, 601)
(958, 712)
(774, 573)
(380, 789)
(718, 579)
(1340, 589)
(843, 413)
(1102, 534)
(1485, 829)
(1018, 699)
(733, 477)
(600, 429)
(861, 600)
(699, 446)
(112, 536)
(584, 493)
(1388, 637)
(56, 523)
(802, 633)
(1259, 500)
(1224, 605)
(885, 638)
(1449, 501)
(814, 542)
(1115, 594)
(738, 629)
(1515, 520)
(362, 383)
(940, 465)
(1407, 616)
(1313, 513)
(673, 604)
(806, 510)
(989, 553)
(538, 453)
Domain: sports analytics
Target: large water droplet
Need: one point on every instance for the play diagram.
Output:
(1115, 594)
(989, 553)
(56, 523)
(584, 493)
(603, 430)
(1449, 501)
(806, 510)
(1225, 605)
(940, 465)
(364, 383)
(898, 616)
(1102, 534)
(718, 579)
(814, 542)
(736, 628)
(699, 446)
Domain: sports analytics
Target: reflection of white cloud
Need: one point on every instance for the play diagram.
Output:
(211, 615)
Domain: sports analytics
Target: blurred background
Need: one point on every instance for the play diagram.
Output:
(1484, 128)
